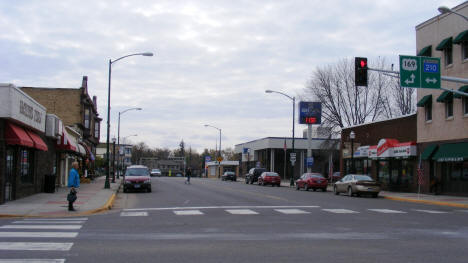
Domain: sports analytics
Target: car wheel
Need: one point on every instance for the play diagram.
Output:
(125, 190)
(350, 191)
(306, 187)
(335, 191)
(246, 181)
(279, 185)
(251, 181)
(315, 189)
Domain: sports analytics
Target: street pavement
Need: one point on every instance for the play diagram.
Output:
(215, 221)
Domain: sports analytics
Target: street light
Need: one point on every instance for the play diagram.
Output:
(118, 138)
(446, 10)
(219, 153)
(147, 54)
(291, 182)
(113, 160)
(352, 136)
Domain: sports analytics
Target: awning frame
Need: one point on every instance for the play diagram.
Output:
(444, 44)
(426, 100)
(463, 36)
(425, 51)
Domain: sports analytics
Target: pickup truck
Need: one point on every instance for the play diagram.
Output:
(253, 174)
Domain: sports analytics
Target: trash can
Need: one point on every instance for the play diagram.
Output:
(49, 183)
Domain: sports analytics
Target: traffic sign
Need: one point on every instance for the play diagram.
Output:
(310, 161)
(220, 159)
(419, 72)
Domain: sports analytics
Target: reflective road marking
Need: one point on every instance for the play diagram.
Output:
(241, 212)
(292, 211)
(40, 234)
(35, 246)
(387, 211)
(41, 227)
(188, 212)
(340, 211)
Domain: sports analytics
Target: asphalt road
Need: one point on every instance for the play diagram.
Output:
(215, 221)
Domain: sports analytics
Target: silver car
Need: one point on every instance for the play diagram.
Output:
(357, 184)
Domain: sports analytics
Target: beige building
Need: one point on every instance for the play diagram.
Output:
(442, 116)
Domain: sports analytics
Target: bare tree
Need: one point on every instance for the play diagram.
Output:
(344, 104)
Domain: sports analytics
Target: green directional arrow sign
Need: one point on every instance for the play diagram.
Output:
(419, 72)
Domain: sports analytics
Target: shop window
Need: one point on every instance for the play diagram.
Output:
(26, 166)
(127, 151)
(464, 48)
(384, 171)
(406, 173)
(428, 111)
(96, 129)
(449, 109)
(448, 56)
(465, 106)
(464, 175)
(86, 118)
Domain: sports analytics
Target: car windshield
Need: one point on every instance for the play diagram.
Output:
(136, 172)
(229, 173)
(316, 176)
(363, 178)
(271, 174)
(155, 170)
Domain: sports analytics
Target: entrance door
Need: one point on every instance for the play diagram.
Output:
(10, 174)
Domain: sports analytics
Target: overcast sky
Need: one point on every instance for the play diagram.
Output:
(213, 59)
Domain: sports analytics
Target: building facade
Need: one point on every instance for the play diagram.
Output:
(442, 122)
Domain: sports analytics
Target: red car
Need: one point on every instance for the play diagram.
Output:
(312, 181)
(269, 178)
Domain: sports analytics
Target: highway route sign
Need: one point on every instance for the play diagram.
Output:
(419, 72)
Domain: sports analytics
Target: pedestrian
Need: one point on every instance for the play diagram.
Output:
(188, 173)
(73, 184)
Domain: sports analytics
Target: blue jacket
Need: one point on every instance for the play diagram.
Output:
(73, 178)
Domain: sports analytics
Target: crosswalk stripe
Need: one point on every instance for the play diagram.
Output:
(292, 211)
(241, 212)
(387, 211)
(40, 234)
(340, 211)
(57, 219)
(41, 227)
(188, 212)
(431, 211)
(31, 260)
(134, 214)
(45, 222)
(35, 246)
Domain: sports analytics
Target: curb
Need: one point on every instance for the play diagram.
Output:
(427, 202)
(107, 206)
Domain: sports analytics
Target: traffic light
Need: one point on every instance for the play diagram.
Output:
(360, 71)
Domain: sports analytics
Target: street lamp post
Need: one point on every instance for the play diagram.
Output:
(352, 136)
(118, 139)
(113, 160)
(219, 153)
(148, 54)
(445, 10)
(291, 181)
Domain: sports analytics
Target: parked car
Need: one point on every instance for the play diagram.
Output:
(269, 178)
(312, 181)
(336, 176)
(156, 172)
(229, 176)
(137, 177)
(357, 184)
(253, 175)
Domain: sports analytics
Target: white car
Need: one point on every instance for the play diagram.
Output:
(155, 172)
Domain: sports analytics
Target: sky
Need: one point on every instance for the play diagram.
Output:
(213, 60)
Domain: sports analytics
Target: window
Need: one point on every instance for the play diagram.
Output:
(127, 150)
(86, 118)
(96, 129)
(465, 106)
(428, 112)
(464, 47)
(26, 166)
(448, 56)
(449, 109)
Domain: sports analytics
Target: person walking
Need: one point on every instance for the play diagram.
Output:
(188, 173)
(73, 184)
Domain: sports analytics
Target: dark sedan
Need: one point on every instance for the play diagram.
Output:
(231, 176)
(312, 181)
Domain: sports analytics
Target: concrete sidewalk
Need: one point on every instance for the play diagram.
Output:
(92, 198)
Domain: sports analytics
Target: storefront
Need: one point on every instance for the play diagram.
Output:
(22, 128)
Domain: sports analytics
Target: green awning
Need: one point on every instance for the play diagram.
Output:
(426, 100)
(425, 52)
(446, 43)
(429, 151)
(463, 36)
(445, 96)
(452, 152)
(462, 89)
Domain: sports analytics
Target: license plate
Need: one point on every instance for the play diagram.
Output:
(136, 186)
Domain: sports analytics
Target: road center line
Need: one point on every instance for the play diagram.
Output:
(217, 207)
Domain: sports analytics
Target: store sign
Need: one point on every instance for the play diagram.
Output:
(362, 151)
(387, 148)
(18, 106)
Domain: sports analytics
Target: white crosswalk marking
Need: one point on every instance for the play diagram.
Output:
(62, 227)
(32, 260)
(387, 211)
(188, 212)
(35, 246)
(340, 211)
(431, 211)
(241, 212)
(58, 219)
(292, 211)
(134, 214)
(40, 234)
(48, 222)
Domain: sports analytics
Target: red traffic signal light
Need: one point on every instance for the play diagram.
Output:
(360, 71)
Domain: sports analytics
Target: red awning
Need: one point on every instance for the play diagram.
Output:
(16, 135)
(64, 143)
(38, 142)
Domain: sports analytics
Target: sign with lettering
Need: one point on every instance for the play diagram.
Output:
(18, 106)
